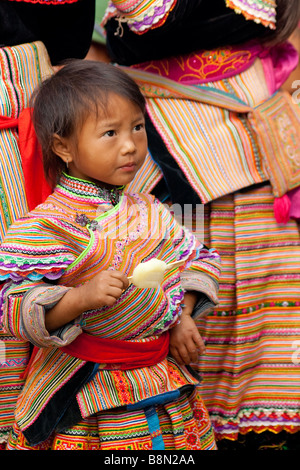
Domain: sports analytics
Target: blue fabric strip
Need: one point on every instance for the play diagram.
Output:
(154, 428)
(148, 405)
(156, 400)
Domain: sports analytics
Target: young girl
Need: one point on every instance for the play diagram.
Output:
(100, 376)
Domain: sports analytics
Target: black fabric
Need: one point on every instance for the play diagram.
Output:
(66, 30)
(190, 26)
(61, 412)
(177, 186)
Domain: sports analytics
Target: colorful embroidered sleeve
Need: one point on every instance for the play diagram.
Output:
(260, 11)
(24, 309)
(42, 253)
(141, 15)
(27, 263)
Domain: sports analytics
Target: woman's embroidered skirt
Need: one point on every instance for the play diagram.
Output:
(182, 424)
(251, 369)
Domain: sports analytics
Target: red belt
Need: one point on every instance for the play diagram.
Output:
(37, 188)
(116, 354)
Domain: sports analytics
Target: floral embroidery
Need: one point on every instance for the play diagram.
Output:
(84, 221)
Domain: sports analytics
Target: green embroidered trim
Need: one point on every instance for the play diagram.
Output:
(18, 261)
(92, 233)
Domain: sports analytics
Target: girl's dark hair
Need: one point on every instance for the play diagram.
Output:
(287, 19)
(63, 102)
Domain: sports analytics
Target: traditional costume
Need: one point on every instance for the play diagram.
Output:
(105, 381)
(222, 134)
(24, 62)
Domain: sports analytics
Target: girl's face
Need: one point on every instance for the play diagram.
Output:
(112, 146)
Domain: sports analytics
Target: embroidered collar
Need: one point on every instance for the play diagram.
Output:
(88, 191)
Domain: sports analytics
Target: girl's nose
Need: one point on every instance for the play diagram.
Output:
(128, 145)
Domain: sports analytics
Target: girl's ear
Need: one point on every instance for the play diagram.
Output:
(62, 148)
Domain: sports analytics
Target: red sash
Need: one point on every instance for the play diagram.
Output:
(117, 354)
(36, 187)
(113, 354)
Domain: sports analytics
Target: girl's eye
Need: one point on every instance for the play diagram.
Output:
(139, 127)
(110, 133)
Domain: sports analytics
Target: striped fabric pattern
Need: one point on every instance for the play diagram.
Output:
(111, 389)
(251, 371)
(217, 143)
(13, 359)
(21, 69)
(58, 245)
(146, 178)
(120, 429)
(61, 366)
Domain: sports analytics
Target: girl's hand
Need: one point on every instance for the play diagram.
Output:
(104, 289)
(185, 341)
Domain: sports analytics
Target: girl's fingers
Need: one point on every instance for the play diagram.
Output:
(187, 352)
(119, 277)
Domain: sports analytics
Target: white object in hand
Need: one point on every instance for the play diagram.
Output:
(149, 274)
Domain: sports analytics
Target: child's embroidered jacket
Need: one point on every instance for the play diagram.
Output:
(63, 243)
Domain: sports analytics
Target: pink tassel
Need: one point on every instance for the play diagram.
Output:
(282, 207)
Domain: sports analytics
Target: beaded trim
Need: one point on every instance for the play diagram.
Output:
(89, 190)
(140, 16)
(260, 11)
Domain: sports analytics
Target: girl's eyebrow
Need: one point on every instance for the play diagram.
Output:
(111, 122)
(107, 122)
